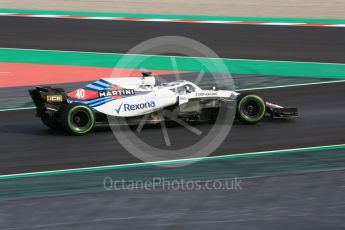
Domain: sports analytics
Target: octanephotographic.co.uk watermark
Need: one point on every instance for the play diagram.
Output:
(163, 184)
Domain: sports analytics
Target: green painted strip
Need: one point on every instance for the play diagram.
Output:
(196, 64)
(171, 162)
(165, 16)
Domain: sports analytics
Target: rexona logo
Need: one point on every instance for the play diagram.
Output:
(134, 107)
(119, 92)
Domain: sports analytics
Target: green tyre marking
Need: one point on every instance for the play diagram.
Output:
(248, 119)
(80, 130)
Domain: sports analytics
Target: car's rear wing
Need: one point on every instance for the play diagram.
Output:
(48, 100)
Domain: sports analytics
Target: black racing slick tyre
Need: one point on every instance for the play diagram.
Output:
(251, 108)
(78, 119)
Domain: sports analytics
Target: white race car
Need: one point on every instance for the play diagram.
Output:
(133, 98)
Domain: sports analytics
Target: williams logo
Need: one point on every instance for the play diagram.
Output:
(119, 92)
(134, 107)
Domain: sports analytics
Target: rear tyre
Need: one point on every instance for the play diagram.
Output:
(78, 119)
(251, 108)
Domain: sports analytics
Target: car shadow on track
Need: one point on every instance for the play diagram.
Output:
(39, 129)
(32, 129)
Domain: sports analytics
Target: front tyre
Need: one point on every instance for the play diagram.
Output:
(78, 119)
(251, 108)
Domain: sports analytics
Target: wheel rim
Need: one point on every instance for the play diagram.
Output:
(252, 108)
(80, 120)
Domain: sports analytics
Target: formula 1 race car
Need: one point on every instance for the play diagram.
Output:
(134, 97)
